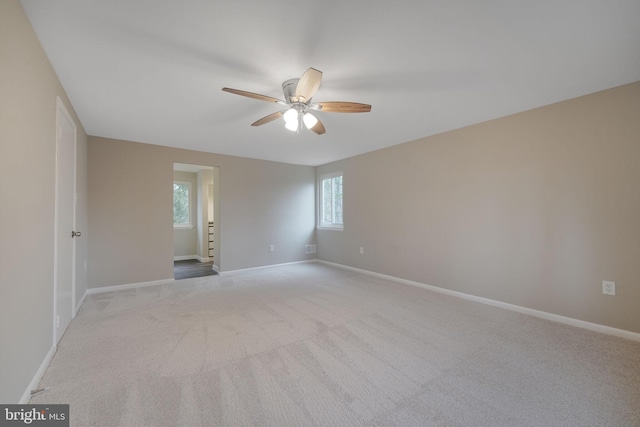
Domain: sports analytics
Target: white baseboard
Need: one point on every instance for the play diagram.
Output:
(188, 257)
(185, 257)
(92, 291)
(536, 313)
(77, 307)
(26, 396)
(266, 266)
(215, 268)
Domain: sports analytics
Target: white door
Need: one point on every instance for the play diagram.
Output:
(64, 255)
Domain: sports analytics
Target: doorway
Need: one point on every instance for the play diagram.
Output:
(196, 242)
(65, 219)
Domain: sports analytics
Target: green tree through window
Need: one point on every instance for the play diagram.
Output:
(181, 208)
(331, 203)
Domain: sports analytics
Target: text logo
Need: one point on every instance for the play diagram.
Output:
(34, 415)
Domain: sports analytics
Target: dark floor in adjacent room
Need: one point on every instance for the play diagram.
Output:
(190, 268)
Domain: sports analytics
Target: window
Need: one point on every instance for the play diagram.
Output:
(330, 192)
(182, 204)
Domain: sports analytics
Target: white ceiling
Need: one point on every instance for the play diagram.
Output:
(151, 70)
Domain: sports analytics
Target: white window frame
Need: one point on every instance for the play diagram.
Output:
(331, 226)
(190, 224)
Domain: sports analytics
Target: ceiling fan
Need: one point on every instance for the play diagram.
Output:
(297, 97)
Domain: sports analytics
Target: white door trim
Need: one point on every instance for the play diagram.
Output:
(62, 110)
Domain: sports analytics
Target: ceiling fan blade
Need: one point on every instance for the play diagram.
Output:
(252, 95)
(319, 128)
(269, 118)
(343, 107)
(308, 85)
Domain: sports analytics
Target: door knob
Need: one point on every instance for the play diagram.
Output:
(76, 234)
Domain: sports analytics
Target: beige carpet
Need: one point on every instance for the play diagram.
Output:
(309, 344)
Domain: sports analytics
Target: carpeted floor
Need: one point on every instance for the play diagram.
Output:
(309, 344)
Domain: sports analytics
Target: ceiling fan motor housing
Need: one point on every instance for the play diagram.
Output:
(289, 89)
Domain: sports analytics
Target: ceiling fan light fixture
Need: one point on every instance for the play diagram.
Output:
(292, 125)
(291, 116)
(309, 120)
(297, 96)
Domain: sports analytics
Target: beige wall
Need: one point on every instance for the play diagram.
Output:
(534, 209)
(130, 211)
(28, 88)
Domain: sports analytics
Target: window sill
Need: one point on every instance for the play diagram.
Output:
(183, 227)
(330, 228)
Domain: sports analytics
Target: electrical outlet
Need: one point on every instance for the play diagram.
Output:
(272, 248)
(608, 288)
(361, 250)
